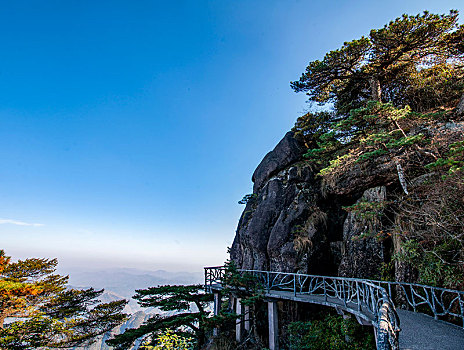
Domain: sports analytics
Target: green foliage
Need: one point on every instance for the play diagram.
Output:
(241, 284)
(334, 164)
(372, 154)
(248, 198)
(367, 210)
(433, 269)
(379, 86)
(312, 126)
(411, 60)
(169, 340)
(387, 271)
(333, 332)
(190, 319)
(454, 160)
(323, 80)
(46, 314)
(430, 223)
(378, 129)
(370, 214)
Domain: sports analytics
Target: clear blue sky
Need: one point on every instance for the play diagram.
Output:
(130, 129)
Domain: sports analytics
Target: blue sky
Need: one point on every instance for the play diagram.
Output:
(130, 129)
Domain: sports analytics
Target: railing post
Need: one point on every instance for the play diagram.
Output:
(325, 290)
(412, 298)
(432, 295)
(273, 325)
(238, 321)
(206, 280)
(343, 292)
(217, 309)
(357, 296)
(246, 315)
(268, 281)
(294, 285)
(371, 291)
(461, 305)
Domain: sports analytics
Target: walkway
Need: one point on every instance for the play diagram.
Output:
(370, 301)
(423, 332)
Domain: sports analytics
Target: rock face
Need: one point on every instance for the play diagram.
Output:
(362, 252)
(283, 227)
(295, 222)
(290, 224)
(460, 107)
(287, 151)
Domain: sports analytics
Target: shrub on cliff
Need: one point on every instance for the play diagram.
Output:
(393, 95)
(333, 332)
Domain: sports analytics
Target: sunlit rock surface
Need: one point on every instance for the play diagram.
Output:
(295, 222)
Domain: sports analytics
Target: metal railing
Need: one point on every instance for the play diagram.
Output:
(436, 301)
(363, 298)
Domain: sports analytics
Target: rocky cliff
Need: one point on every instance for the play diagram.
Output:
(296, 221)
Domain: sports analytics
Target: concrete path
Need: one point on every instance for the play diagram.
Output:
(423, 332)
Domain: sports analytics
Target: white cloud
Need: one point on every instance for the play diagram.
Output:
(19, 223)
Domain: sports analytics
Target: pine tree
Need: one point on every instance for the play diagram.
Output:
(190, 317)
(393, 64)
(37, 310)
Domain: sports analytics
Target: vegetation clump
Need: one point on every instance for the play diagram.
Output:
(38, 311)
(331, 332)
(391, 98)
(186, 313)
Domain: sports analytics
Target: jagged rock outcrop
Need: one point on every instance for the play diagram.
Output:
(283, 227)
(283, 200)
(295, 222)
(287, 151)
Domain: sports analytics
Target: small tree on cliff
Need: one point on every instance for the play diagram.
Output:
(45, 313)
(190, 318)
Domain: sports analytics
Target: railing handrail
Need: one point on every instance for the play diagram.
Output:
(365, 281)
(376, 296)
(214, 267)
(421, 286)
(372, 300)
(350, 279)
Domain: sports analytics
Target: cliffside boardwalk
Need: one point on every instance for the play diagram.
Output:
(369, 301)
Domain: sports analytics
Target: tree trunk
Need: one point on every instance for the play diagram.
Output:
(460, 107)
(376, 89)
(401, 177)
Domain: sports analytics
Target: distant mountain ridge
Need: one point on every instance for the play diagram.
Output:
(121, 283)
(135, 321)
(124, 281)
